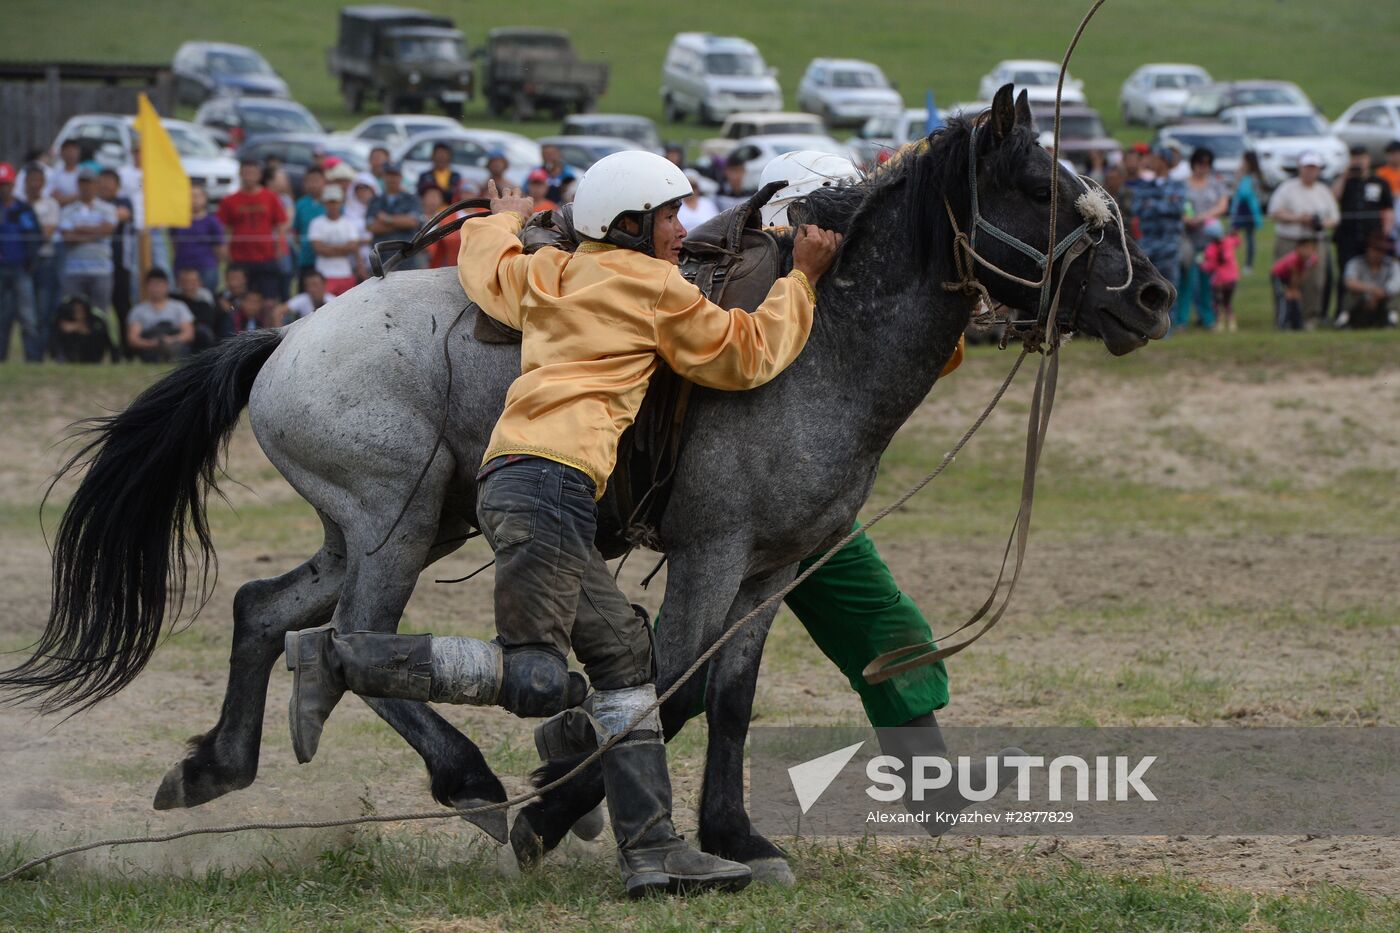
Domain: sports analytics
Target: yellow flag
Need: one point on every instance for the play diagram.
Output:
(166, 186)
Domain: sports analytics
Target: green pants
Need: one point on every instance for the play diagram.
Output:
(854, 611)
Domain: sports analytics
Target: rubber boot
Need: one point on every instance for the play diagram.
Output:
(922, 737)
(653, 858)
(324, 665)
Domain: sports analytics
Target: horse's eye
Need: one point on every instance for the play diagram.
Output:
(1042, 194)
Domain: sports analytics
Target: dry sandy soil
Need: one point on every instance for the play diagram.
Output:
(1278, 623)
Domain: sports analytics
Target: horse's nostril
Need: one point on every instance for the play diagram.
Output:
(1155, 297)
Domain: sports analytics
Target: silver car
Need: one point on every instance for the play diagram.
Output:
(1373, 123)
(1227, 143)
(713, 76)
(108, 138)
(846, 91)
(471, 149)
(1155, 94)
(641, 130)
(393, 129)
(1279, 135)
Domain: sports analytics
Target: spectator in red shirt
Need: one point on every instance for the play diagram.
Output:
(253, 216)
(537, 187)
(1289, 274)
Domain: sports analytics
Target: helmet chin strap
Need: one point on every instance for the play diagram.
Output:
(643, 242)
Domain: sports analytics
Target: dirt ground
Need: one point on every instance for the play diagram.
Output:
(1292, 621)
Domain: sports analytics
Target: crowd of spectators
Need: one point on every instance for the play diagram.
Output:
(80, 285)
(1332, 243)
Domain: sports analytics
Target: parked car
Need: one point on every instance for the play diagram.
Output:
(738, 125)
(217, 69)
(641, 130)
(1373, 123)
(402, 58)
(526, 70)
(758, 151)
(1081, 133)
(1278, 135)
(714, 76)
(109, 138)
(470, 151)
(233, 121)
(886, 132)
(1038, 78)
(393, 129)
(300, 151)
(580, 152)
(846, 91)
(1154, 94)
(1225, 141)
(1205, 103)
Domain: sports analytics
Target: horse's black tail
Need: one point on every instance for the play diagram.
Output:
(135, 525)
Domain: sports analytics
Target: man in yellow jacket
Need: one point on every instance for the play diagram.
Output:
(595, 325)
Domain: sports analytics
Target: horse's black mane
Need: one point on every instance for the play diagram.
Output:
(927, 172)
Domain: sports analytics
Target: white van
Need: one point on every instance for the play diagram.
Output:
(713, 76)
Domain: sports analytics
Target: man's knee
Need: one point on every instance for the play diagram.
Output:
(538, 682)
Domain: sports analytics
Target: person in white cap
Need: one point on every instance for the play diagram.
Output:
(336, 239)
(1303, 208)
(595, 325)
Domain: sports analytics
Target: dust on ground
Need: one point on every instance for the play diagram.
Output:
(1247, 627)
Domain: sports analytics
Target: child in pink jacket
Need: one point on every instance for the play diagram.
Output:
(1224, 271)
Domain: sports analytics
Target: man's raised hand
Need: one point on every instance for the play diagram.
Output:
(509, 200)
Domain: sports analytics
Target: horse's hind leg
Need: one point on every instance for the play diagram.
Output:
(226, 757)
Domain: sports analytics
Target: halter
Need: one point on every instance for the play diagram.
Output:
(1069, 248)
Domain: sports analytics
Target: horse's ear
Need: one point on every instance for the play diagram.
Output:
(1003, 118)
(1023, 109)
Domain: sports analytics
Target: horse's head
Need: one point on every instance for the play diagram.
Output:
(1010, 227)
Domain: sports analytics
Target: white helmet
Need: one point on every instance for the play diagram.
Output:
(804, 171)
(634, 181)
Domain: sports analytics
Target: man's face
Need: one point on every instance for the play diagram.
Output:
(237, 281)
(393, 182)
(33, 186)
(431, 201)
(550, 155)
(7, 190)
(250, 175)
(314, 184)
(537, 189)
(199, 201)
(251, 305)
(442, 157)
(497, 167)
(107, 186)
(667, 233)
(1361, 162)
(316, 288)
(1309, 174)
(87, 189)
(333, 208)
(68, 152)
(1392, 158)
(734, 176)
(157, 290)
(377, 158)
(189, 281)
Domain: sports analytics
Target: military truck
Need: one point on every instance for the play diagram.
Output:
(401, 57)
(526, 70)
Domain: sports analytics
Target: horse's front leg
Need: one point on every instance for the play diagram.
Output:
(725, 829)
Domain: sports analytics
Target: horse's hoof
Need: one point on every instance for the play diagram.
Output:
(493, 822)
(590, 825)
(772, 870)
(171, 793)
(526, 843)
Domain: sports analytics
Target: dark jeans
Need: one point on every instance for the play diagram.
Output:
(16, 306)
(553, 587)
(45, 279)
(265, 278)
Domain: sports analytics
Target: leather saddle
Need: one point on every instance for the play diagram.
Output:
(734, 261)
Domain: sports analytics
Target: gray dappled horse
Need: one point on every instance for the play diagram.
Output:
(347, 405)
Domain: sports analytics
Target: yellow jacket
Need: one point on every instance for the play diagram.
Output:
(594, 323)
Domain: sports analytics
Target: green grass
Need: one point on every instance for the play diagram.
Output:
(1337, 52)
(391, 884)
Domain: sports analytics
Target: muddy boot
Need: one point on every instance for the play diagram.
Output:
(325, 664)
(921, 737)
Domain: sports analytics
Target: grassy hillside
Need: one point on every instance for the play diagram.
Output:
(1338, 51)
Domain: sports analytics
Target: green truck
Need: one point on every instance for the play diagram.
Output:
(525, 71)
(403, 58)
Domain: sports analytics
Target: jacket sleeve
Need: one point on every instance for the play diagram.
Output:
(493, 267)
(731, 349)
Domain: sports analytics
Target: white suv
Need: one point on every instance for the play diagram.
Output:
(845, 91)
(1278, 135)
(713, 76)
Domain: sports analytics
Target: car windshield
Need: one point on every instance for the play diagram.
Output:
(1177, 81)
(1203, 105)
(278, 120)
(531, 46)
(856, 78)
(1267, 95)
(637, 132)
(237, 63)
(1284, 125)
(880, 128)
(428, 48)
(1078, 126)
(733, 64)
(1035, 78)
(191, 144)
(792, 129)
(1222, 146)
